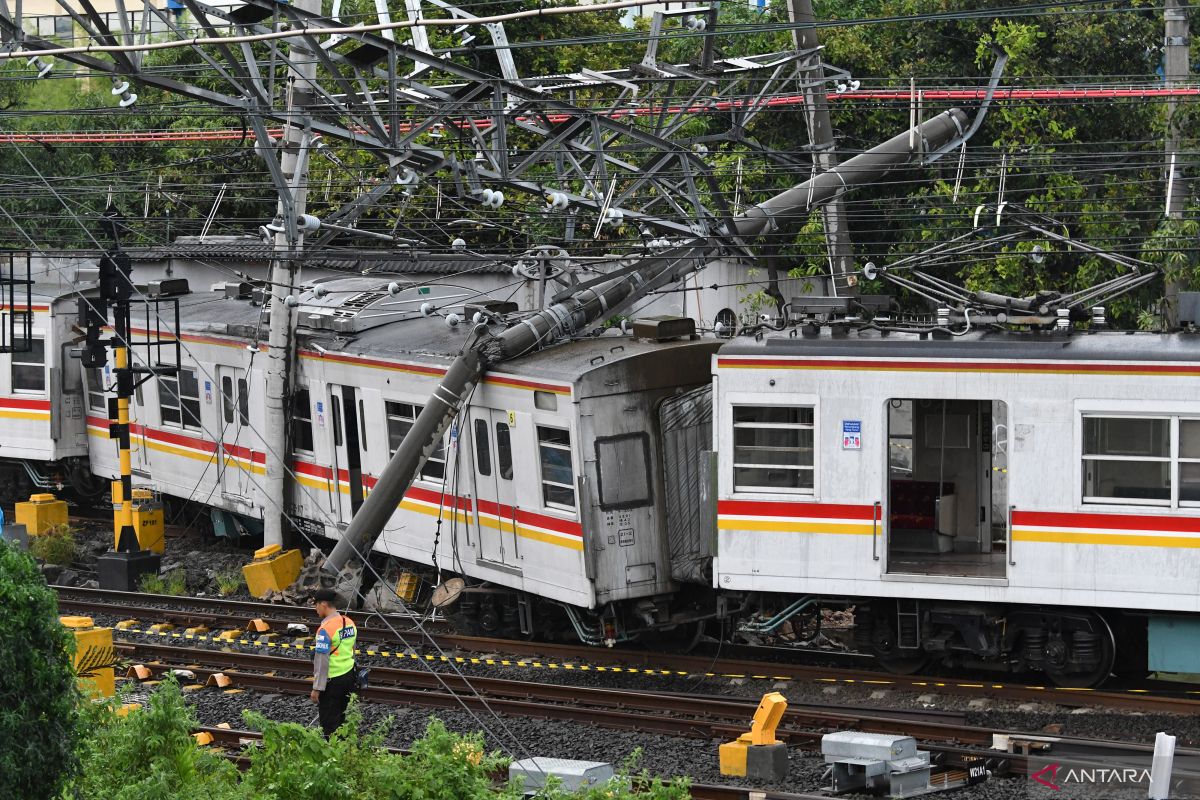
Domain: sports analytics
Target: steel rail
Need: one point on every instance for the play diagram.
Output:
(238, 613)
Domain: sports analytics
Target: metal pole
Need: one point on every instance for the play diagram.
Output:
(1175, 73)
(820, 134)
(125, 537)
(584, 308)
(280, 342)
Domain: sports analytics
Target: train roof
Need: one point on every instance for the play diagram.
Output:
(1082, 346)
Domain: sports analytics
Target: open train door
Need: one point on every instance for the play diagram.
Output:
(492, 454)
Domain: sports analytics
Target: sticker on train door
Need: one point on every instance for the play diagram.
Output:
(512, 419)
(852, 434)
(320, 413)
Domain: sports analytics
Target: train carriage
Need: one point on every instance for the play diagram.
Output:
(995, 497)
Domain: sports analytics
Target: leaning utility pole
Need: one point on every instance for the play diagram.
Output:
(820, 134)
(289, 240)
(1175, 73)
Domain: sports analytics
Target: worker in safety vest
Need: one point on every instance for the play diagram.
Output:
(333, 665)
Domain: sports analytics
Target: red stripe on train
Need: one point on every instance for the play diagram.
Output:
(1120, 522)
(756, 508)
(1015, 366)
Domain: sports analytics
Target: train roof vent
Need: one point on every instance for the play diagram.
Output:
(356, 303)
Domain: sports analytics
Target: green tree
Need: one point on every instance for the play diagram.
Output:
(37, 683)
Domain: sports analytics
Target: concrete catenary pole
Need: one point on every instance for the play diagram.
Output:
(1175, 73)
(820, 133)
(585, 308)
(281, 341)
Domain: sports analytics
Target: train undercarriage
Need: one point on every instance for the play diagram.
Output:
(1067, 647)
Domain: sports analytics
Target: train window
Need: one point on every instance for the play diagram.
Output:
(29, 368)
(95, 390)
(243, 402)
(362, 424)
(179, 399)
(483, 454)
(546, 401)
(773, 449)
(624, 467)
(302, 430)
(558, 476)
(335, 409)
(400, 419)
(504, 450)
(1127, 460)
(227, 398)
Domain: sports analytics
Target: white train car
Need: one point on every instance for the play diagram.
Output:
(1023, 501)
(44, 443)
(547, 488)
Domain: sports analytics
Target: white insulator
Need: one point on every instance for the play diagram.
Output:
(459, 244)
(943, 316)
(614, 215)
(719, 328)
(393, 288)
(320, 291)
(127, 100)
(290, 301)
(516, 270)
(120, 88)
(485, 197)
(477, 318)
(841, 88)
(452, 320)
(497, 199)
(307, 223)
(426, 309)
(855, 84)
(406, 178)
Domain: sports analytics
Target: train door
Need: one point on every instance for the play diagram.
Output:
(347, 450)
(947, 487)
(235, 458)
(492, 454)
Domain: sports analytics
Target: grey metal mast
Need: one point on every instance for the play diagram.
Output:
(573, 315)
(1175, 73)
(292, 185)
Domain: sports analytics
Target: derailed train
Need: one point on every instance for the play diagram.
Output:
(1025, 502)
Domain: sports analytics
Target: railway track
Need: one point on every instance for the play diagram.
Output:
(434, 644)
(944, 734)
(233, 742)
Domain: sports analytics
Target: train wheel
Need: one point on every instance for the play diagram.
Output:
(1102, 643)
(904, 664)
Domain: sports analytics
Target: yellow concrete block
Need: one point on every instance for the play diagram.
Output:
(148, 523)
(128, 624)
(228, 636)
(198, 630)
(733, 758)
(41, 512)
(203, 738)
(273, 572)
(93, 656)
(268, 551)
(126, 708)
(162, 627)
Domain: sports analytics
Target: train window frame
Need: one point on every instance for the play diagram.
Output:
(545, 446)
(1175, 461)
(404, 413)
(735, 403)
(22, 362)
(301, 420)
(604, 446)
(181, 401)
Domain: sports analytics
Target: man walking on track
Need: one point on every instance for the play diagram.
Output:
(333, 665)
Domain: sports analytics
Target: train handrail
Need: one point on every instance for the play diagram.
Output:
(1012, 562)
(875, 514)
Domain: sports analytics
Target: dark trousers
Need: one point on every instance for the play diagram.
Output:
(331, 705)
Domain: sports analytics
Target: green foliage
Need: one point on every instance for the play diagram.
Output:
(229, 582)
(37, 683)
(149, 755)
(174, 583)
(58, 545)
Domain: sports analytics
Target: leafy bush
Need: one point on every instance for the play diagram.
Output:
(37, 683)
(150, 755)
(229, 582)
(174, 583)
(56, 546)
